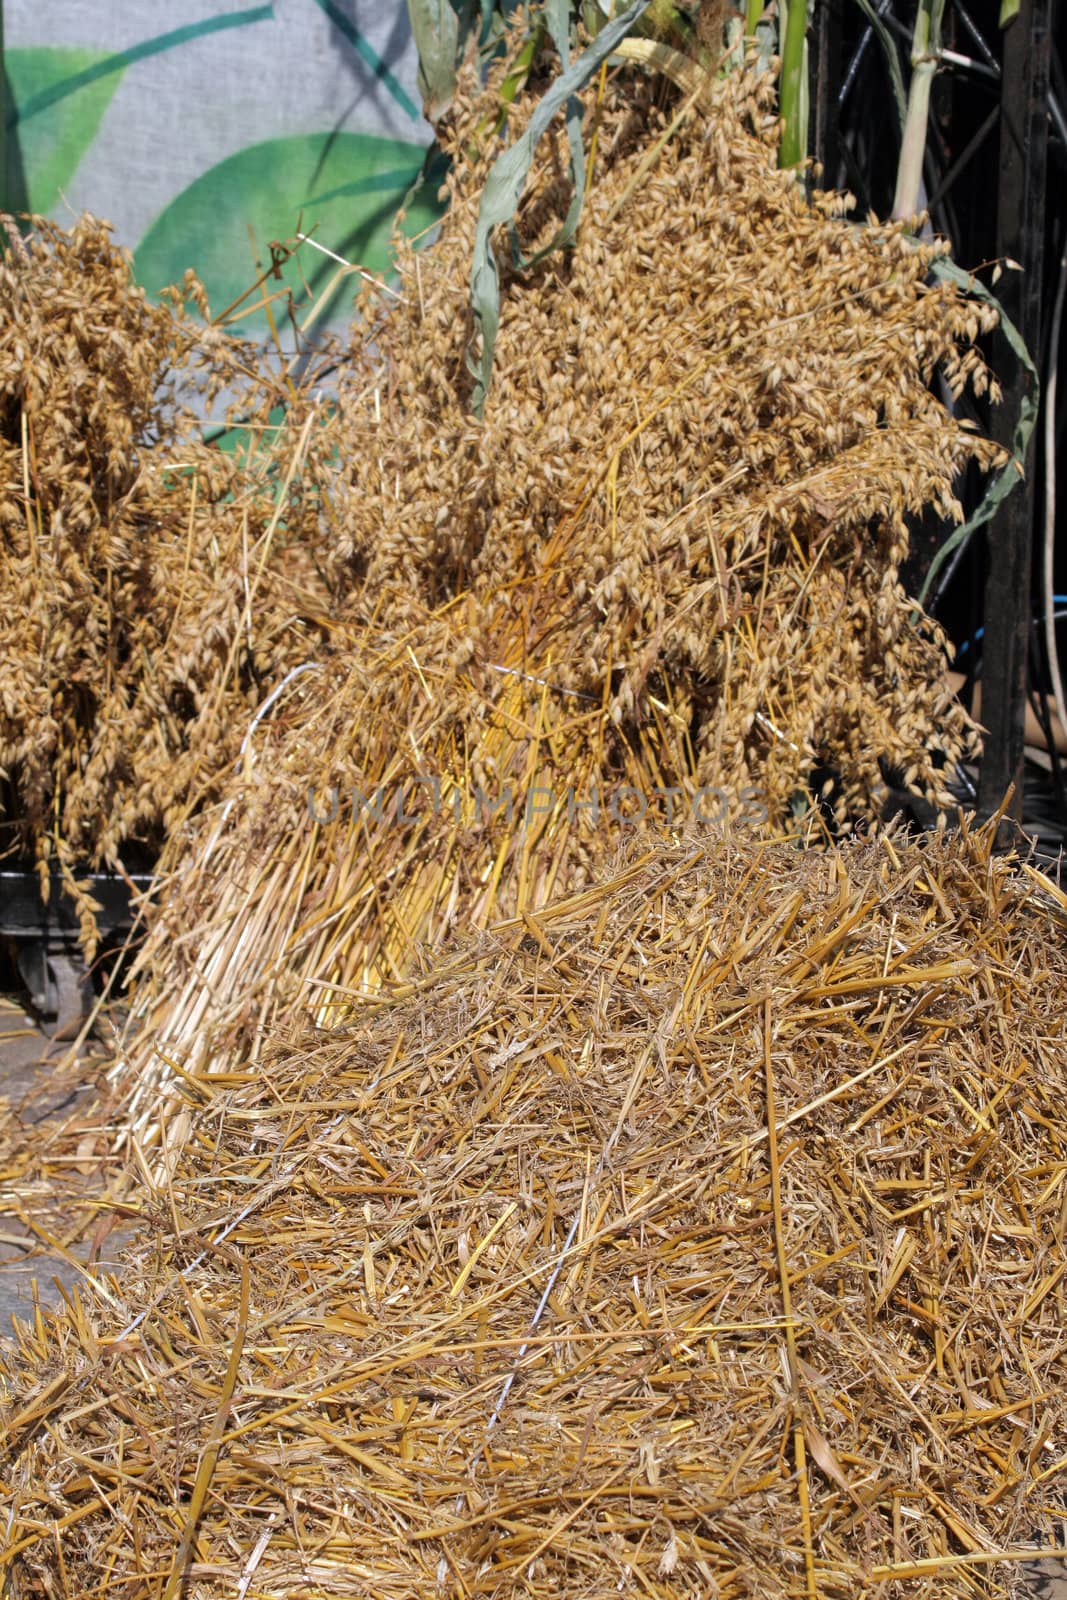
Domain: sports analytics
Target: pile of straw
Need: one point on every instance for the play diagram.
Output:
(154, 586)
(701, 1233)
(666, 560)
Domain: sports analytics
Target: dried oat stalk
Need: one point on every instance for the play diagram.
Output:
(668, 557)
(148, 591)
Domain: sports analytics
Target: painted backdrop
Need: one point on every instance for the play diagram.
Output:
(204, 131)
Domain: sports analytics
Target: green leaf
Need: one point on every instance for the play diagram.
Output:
(557, 20)
(348, 187)
(896, 77)
(50, 147)
(504, 186)
(60, 95)
(1006, 479)
(793, 82)
(1009, 10)
(435, 28)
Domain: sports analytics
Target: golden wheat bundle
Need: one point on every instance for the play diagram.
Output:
(384, 798)
(707, 426)
(666, 561)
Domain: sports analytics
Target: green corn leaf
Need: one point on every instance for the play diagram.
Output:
(435, 28)
(507, 178)
(558, 23)
(896, 77)
(793, 83)
(1007, 478)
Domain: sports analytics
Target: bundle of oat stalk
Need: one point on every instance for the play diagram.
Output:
(667, 558)
(699, 1233)
(154, 587)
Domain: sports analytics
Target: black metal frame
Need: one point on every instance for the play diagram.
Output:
(1009, 82)
(45, 934)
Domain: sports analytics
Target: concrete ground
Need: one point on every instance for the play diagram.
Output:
(35, 1093)
(32, 1083)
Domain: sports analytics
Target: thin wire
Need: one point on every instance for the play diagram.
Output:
(976, 34)
(528, 677)
(1050, 494)
(306, 666)
(1058, 599)
(305, 238)
(968, 64)
(861, 50)
(541, 1304)
(1056, 111)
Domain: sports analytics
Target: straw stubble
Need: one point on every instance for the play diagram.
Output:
(698, 1234)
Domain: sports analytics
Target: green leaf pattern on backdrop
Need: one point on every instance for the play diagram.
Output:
(51, 147)
(343, 185)
(346, 186)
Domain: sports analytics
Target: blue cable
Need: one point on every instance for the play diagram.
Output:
(1057, 600)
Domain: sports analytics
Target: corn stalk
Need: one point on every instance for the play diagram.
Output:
(925, 56)
(793, 86)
